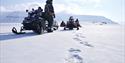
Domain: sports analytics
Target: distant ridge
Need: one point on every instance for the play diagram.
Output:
(17, 17)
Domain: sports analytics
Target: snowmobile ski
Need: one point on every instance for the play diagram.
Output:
(14, 30)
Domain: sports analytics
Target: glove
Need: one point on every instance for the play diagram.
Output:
(54, 16)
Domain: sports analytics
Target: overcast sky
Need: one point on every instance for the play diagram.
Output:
(112, 9)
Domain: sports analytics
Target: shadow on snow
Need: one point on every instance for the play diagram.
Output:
(8, 36)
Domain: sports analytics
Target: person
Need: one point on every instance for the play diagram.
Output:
(77, 25)
(33, 10)
(62, 24)
(49, 14)
(71, 18)
(31, 13)
(39, 13)
(27, 14)
(27, 11)
(70, 23)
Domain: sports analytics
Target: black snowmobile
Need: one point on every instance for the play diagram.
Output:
(35, 23)
(70, 24)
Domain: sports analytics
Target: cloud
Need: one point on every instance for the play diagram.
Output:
(59, 8)
(21, 7)
(83, 3)
(77, 6)
(2, 8)
(68, 6)
(106, 8)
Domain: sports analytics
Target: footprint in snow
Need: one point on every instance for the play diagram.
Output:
(74, 50)
(82, 42)
(74, 56)
(82, 36)
(79, 35)
(87, 44)
(77, 39)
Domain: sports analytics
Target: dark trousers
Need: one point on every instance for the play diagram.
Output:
(50, 21)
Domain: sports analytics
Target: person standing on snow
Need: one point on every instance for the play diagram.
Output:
(49, 14)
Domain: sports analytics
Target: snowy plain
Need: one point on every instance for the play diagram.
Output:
(93, 43)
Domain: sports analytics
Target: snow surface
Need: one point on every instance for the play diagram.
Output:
(93, 43)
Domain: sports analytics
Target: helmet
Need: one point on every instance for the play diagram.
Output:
(49, 1)
(39, 8)
(26, 10)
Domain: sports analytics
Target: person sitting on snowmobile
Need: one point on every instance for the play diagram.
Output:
(32, 10)
(70, 23)
(28, 15)
(31, 14)
(49, 14)
(71, 18)
(27, 11)
(62, 24)
(39, 13)
(77, 25)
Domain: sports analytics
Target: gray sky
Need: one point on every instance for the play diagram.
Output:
(112, 9)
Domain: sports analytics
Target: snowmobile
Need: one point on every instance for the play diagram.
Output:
(70, 25)
(37, 25)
